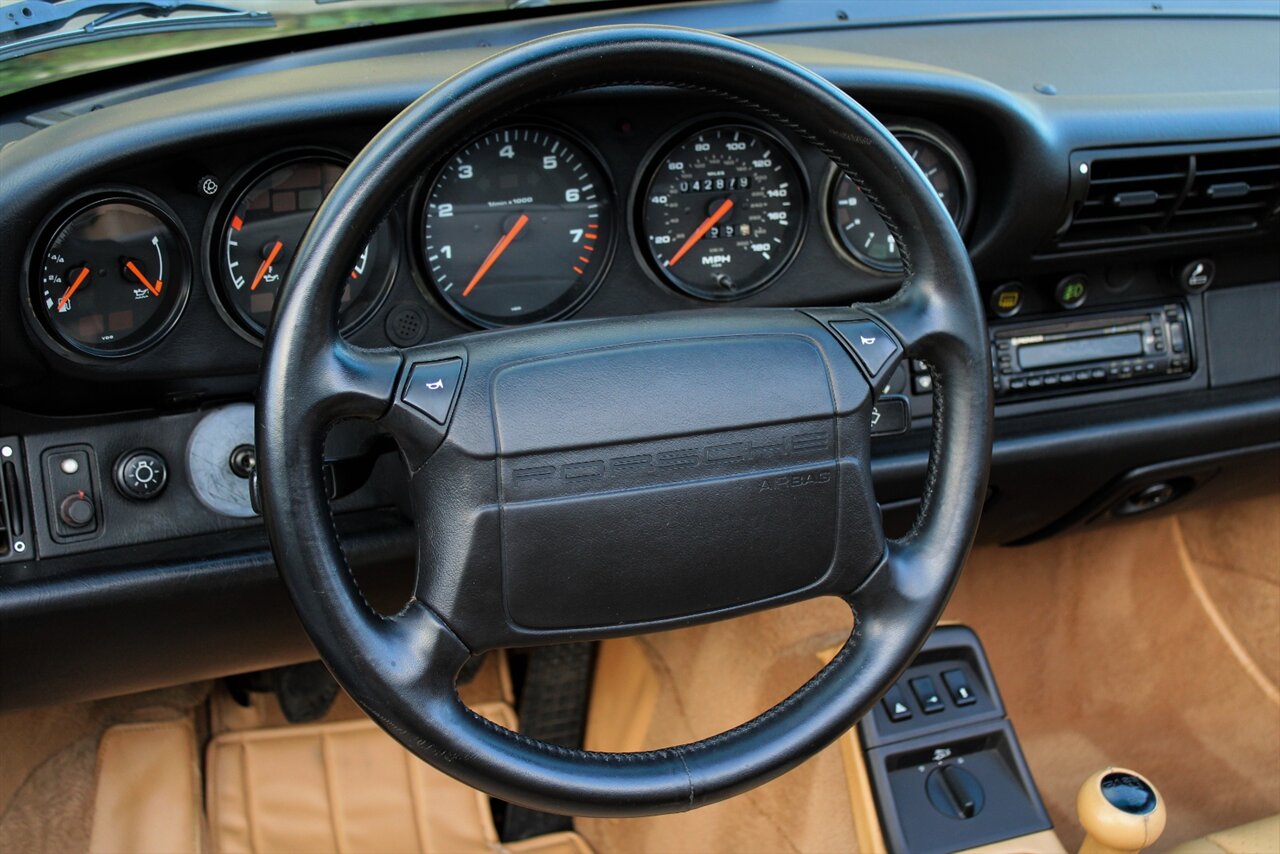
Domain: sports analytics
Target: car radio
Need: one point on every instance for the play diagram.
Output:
(1061, 356)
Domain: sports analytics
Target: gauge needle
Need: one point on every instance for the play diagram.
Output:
(724, 208)
(496, 253)
(133, 268)
(84, 274)
(266, 265)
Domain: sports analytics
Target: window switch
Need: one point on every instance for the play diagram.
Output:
(895, 704)
(958, 687)
(927, 694)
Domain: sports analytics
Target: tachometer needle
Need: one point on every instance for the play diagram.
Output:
(496, 253)
(266, 265)
(724, 208)
(84, 274)
(155, 289)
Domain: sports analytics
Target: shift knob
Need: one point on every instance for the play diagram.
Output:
(1120, 811)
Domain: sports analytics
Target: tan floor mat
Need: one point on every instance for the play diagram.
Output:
(49, 762)
(346, 786)
(679, 686)
(148, 792)
(1105, 654)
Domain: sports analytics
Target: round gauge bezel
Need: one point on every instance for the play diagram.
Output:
(934, 136)
(220, 219)
(418, 222)
(62, 217)
(658, 154)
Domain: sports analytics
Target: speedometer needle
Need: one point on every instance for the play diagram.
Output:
(496, 253)
(724, 208)
(84, 274)
(266, 265)
(155, 289)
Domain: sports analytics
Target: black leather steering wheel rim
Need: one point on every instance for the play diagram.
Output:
(401, 669)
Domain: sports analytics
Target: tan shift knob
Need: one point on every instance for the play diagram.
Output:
(1121, 812)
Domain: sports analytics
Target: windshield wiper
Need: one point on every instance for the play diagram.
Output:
(31, 26)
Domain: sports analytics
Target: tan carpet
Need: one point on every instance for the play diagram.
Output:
(1105, 655)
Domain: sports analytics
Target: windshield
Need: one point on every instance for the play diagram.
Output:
(99, 34)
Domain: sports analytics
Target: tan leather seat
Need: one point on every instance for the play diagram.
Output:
(1256, 837)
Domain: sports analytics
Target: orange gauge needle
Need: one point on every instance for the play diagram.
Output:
(496, 253)
(133, 268)
(266, 265)
(724, 208)
(84, 274)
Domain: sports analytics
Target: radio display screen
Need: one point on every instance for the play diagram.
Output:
(1071, 351)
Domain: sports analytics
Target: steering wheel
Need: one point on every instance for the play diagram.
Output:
(594, 479)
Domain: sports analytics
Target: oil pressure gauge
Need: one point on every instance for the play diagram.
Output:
(262, 230)
(112, 276)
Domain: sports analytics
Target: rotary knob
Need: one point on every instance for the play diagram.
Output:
(141, 475)
(76, 510)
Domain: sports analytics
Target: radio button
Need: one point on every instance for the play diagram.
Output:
(1098, 374)
(1177, 338)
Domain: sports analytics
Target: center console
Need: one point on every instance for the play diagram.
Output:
(941, 757)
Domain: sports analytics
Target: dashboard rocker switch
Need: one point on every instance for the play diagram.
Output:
(959, 688)
(927, 695)
(895, 704)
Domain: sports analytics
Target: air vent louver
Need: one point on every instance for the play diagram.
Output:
(1123, 198)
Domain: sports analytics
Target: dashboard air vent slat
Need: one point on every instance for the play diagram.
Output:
(1146, 195)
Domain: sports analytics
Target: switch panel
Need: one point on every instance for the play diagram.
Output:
(71, 490)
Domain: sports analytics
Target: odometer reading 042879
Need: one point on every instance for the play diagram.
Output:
(723, 212)
(517, 226)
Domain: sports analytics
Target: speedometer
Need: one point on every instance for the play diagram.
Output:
(517, 227)
(723, 212)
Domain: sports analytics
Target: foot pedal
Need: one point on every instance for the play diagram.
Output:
(553, 708)
(305, 691)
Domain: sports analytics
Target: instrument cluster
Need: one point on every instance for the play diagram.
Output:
(518, 225)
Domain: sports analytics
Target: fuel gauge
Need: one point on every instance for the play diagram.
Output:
(112, 277)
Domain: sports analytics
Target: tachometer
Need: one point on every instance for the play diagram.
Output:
(262, 230)
(112, 277)
(517, 226)
(859, 228)
(723, 212)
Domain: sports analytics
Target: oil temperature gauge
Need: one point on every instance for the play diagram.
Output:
(262, 230)
(112, 277)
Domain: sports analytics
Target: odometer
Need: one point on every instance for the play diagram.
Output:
(517, 226)
(723, 212)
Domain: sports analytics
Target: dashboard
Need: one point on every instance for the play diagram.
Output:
(1119, 196)
(170, 270)
(518, 225)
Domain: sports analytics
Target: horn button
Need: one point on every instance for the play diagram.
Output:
(676, 476)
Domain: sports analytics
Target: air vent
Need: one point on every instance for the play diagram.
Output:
(1139, 196)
